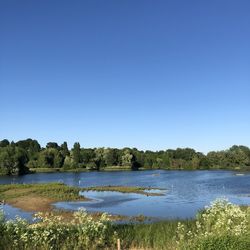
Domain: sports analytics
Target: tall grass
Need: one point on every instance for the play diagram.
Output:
(159, 235)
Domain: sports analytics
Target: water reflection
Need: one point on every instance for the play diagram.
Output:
(187, 191)
(11, 213)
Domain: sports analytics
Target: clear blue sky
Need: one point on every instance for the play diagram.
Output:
(138, 73)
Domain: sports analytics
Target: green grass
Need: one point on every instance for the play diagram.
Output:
(39, 197)
(126, 189)
(62, 170)
(56, 191)
(159, 235)
(61, 191)
(116, 168)
(54, 170)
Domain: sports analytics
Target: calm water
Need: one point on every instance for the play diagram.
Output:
(186, 191)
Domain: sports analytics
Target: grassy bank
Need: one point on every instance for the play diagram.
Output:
(76, 170)
(55, 170)
(39, 197)
(127, 189)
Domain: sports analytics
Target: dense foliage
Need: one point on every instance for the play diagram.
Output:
(18, 157)
(220, 226)
(52, 232)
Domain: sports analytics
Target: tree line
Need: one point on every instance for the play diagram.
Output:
(21, 156)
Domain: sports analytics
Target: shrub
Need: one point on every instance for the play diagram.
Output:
(220, 224)
(51, 232)
(227, 242)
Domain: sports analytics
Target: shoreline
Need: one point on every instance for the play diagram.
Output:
(82, 170)
(40, 197)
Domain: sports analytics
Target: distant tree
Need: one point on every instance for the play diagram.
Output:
(239, 155)
(92, 166)
(139, 157)
(32, 147)
(52, 145)
(110, 157)
(4, 143)
(68, 162)
(16, 157)
(128, 159)
(149, 159)
(50, 158)
(76, 153)
(217, 159)
(158, 163)
(184, 154)
(195, 162)
(64, 149)
(99, 158)
(13, 160)
(87, 155)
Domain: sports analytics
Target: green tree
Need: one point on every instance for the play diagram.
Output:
(128, 159)
(32, 147)
(64, 149)
(4, 143)
(87, 155)
(76, 154)
(52, 145)
(110, 157)
(13, 160)
(50, 158)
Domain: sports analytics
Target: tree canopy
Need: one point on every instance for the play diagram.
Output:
(18, 157)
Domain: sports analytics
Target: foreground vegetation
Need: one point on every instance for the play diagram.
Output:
(222, 226)
(19, 157)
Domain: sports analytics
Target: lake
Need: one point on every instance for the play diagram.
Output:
(186, 191)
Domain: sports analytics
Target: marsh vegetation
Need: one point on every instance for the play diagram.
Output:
(39, 197)
(222, 226)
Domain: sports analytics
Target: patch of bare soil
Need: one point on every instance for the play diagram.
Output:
(32, 203)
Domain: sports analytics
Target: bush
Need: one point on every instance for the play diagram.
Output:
(51, 232)
(227, 242)
(219, 226)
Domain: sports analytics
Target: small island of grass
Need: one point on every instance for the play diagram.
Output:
(39, 197)
(128, 189)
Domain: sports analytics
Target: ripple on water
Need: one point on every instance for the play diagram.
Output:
(187, 191)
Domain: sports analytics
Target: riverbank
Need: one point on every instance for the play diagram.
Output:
(40, 197)
(76, 170)
(150, 191)
(119, 168)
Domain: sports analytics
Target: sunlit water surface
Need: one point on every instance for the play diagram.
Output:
(185, 191)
